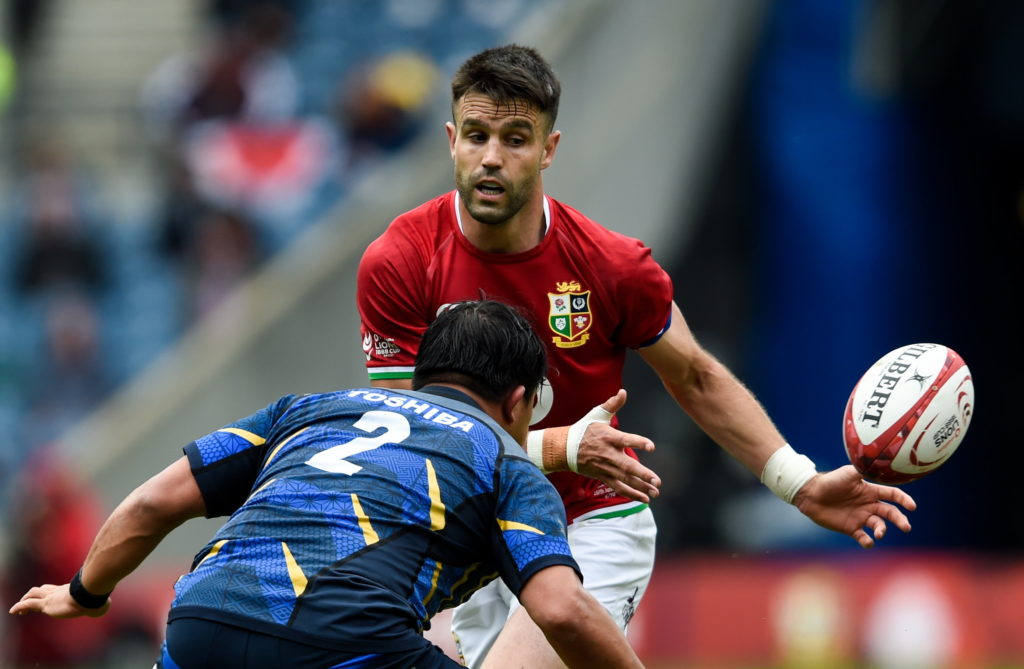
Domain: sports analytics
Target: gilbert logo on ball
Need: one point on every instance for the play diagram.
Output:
(908, 413)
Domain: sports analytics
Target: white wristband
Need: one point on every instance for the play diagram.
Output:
(786, 472)
(535, 448)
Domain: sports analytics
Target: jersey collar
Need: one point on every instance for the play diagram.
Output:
(458, 214)
(450, 393)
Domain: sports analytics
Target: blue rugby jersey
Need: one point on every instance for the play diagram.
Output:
(359, 514)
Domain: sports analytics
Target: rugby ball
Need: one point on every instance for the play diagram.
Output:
(908, 413)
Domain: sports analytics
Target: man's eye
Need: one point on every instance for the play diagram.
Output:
(476, 137)
(516, 141)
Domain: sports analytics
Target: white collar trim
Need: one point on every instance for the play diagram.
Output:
(547, 215)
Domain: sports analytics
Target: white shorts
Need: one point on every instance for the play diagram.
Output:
(616, 556)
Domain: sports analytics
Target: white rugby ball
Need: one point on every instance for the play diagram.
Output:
(908, 413)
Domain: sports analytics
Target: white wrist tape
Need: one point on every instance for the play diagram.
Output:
(573, 436)
(786, 472)
(576, 431)
(535, 449)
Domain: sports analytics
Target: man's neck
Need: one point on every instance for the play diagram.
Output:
(518, 234)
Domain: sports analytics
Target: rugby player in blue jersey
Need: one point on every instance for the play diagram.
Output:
(357, 515)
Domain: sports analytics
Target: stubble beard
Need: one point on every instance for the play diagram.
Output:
(516, 198)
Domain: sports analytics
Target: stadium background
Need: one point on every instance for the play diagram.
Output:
(824, 180)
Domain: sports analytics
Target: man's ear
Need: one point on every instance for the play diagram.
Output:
(449, 128)
(512, 405)
(550, 148)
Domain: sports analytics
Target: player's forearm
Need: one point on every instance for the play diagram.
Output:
(138, 525)
(729, 413)
(574, 623)
(732, 416)
(713, 396)
(590, 638)
(127, 537)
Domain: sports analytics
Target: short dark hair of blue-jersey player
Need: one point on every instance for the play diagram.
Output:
(357, 515)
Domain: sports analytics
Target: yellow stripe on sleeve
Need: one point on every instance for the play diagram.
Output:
(294, 571)
(282, 444)
(369, 534)
(213, 551)
(260, 489)
(436, 505)
(252, 438)
(512, 525)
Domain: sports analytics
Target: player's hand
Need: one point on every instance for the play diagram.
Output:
(56, 602)
(602, 456)
(843, 501)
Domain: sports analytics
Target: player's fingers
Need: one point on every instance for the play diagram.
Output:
(634, 493)
(636, 442)
(22, 608)
(628, 477)
(633, 470)
(877, 526)
(38, 592)
(862, 538)
(615, 402)
(33, 600)
(896, 496)
(643, 485)
(893, 515)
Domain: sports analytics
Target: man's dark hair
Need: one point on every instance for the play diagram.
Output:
(484, 345)
(507, 74)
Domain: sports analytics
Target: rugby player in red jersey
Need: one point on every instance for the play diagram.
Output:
(593, 294)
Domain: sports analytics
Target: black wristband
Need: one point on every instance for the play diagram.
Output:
(85, 599)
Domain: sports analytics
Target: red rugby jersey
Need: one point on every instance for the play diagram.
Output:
(591, 293)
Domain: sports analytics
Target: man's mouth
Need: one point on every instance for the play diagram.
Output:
(490, 188)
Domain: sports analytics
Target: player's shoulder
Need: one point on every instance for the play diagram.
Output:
(605, 246)
(415, 232)
(427, 219)
(575, 223)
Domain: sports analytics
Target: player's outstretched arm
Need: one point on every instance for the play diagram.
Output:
(128, 535)
(839, 500)
(843, 501)
(575, 625)
(591, 446)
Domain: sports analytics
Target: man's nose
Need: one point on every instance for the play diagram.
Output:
(492, 154)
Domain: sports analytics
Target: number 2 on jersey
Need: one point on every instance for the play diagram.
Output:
(396, 429)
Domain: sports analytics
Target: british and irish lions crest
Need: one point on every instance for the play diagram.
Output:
(570, 316)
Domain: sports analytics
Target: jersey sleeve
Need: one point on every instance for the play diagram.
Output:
(389, 289)
(226, 462)
(644, 296)
(530, 531)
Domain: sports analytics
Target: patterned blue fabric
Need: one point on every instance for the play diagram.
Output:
(362, 514)
(220, 445)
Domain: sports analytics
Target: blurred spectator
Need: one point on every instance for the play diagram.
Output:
(182, 210)
(72, 378)
(247, 75)
(228, 13)
(269, 172)
(52, 507)
(224, 250)
(243, 74)
(232, 118)
(379, 105)
(58, 249)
